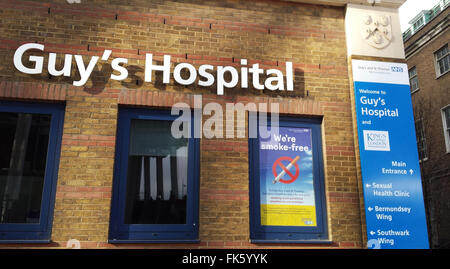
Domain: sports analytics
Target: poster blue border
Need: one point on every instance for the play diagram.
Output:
(289, 234)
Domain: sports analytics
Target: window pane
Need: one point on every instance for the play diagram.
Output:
(447, 116)
(414, 84)
(443, 60)
(442, 52)
(422, 154)
(157, 174)
(446, 61)
(22, 165)
(419, 130)
(441, 67)
(421, 143)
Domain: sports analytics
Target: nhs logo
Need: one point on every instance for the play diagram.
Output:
(376, 140)
(396, 69)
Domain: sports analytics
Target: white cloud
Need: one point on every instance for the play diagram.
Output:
(306, 164)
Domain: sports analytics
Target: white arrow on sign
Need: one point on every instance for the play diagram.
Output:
(372, 232)
(370, 208)
(367, 185)
(411, 171)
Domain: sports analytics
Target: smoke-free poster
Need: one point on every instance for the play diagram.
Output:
(286, 174)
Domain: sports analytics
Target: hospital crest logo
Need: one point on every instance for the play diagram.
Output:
(377, 30)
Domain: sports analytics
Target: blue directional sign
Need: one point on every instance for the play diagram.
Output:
(395, 213)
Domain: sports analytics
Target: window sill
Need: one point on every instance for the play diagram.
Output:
(443, 74)
(416, 90)
(121, 241)
(324, 242)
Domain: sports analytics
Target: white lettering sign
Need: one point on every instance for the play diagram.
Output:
(227, 76)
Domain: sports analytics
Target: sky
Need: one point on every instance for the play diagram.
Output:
(411, 8)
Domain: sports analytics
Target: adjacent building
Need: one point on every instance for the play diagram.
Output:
(428, 58)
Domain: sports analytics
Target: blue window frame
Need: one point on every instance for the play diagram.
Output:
(299, 216)
(156, 180)
(30, 148)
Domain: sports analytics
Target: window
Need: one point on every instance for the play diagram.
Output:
(29, 154)
(442, 61)
(421, 141)
(418, 23)
(287, 197)
(155, 196)
(446, 123)
(413, 80)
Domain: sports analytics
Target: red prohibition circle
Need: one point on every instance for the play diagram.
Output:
(279, 163)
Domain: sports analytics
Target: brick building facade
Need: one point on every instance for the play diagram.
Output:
(430, 97)
(270, 33)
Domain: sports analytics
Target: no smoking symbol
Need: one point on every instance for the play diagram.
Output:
(285, 170)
